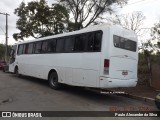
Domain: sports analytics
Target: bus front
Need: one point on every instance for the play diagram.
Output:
(121, 59)
(12, 58)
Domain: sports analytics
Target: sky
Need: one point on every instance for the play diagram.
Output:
(150, 9)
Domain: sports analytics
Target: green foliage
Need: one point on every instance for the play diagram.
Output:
(155, 58)
(86, 12)
(142, 64)
(2, 51)
(37, 19)
(143, 71)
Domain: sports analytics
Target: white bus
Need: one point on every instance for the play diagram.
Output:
(102, 56)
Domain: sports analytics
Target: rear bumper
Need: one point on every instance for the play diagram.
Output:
(115, 83)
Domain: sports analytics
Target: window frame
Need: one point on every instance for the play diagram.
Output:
(63, 44)
(52, 39)
(32, 47)
(19, 48)
(35, 47)
(42, 46)
(85, 47)
(74, 40)
(125, 39)
(94, 33)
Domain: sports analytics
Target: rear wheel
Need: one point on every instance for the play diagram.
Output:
(53, 80)
(16, 71)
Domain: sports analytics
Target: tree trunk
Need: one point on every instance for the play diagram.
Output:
(148, 60)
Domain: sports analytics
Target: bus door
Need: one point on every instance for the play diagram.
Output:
(12, 58)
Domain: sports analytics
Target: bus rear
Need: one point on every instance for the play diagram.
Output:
(120, 59)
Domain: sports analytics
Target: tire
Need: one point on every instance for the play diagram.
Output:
(16, 71)
(53, 81)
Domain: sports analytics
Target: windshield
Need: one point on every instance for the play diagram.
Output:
(14, 47)
(124, 43)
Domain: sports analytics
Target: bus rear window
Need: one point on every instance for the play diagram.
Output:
(124, 43)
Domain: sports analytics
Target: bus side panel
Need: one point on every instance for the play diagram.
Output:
(86, 78)
(11, 67)
(79, 69)
(68, 75)
(21, 65)
(105, 52)
(90, 77)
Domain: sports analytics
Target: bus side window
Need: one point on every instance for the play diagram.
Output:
(20, 49)
(44, 46)
(81, 43)
(26, 49)
(38, 47)
(69, 44)
(97, 41)
(51, 48)
(30, 48)
(122, 42)
(116, 40)
(90, 39)
(60, 45)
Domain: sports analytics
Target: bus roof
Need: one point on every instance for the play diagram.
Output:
(87, 29)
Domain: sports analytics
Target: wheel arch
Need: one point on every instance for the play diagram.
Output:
(16, 67)
(52, 70)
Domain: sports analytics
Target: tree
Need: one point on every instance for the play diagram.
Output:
(2, 51)
(155, 33)
(37, 19)
(133, 21)
(86, 12)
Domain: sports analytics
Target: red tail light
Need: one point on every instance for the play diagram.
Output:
(106, 63)
(106, 67)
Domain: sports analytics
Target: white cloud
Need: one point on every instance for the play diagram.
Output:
(150, 9)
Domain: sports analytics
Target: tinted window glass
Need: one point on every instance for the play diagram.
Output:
(81, 43)
(60, 45)
(14, 48)
(90, 39)
(30, 48)
(44, 47)
(51, 46)
(20, 49)
(97, 41)
(69, 44)
(88, 42)
(25, 48)
(38, 47)
(124, 43)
